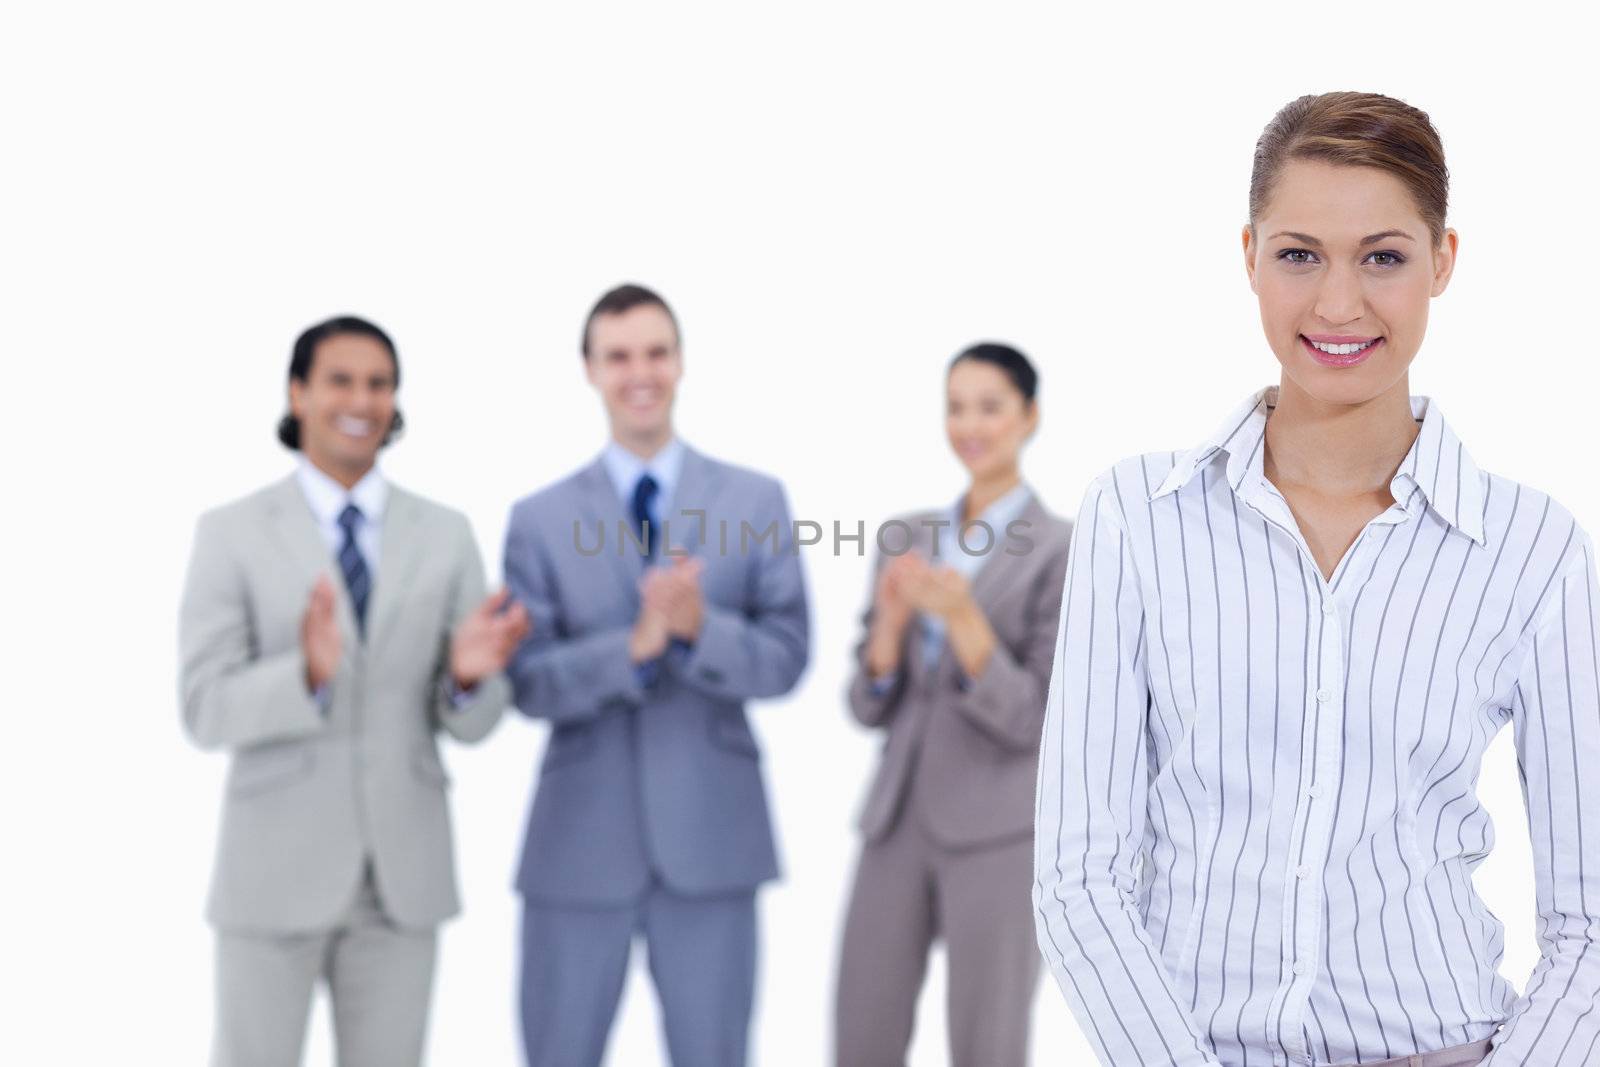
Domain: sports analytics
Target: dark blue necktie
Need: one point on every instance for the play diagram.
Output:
(644, 495)
(356, 579)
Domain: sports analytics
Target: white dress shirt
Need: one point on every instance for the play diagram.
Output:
(1257, 820)
(328, 498)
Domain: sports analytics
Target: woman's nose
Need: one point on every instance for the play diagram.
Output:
(1340, 300)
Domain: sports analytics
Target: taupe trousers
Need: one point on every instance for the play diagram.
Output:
(908, 892)
(1469, 1055)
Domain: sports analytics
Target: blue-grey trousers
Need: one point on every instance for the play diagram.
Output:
(702, 957)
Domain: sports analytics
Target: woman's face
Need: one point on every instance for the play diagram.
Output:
(1344, 267)
(986, 418)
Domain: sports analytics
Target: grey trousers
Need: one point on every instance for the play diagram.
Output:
(702, 954)
(908, 892)
(1469, 1055)
(379, 980)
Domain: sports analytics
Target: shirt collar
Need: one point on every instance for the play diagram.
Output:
(328, 498)
(625, 468)
(1437, 465)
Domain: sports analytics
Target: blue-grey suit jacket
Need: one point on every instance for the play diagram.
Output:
(661, 776)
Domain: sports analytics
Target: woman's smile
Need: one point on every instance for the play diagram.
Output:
(1339, 350)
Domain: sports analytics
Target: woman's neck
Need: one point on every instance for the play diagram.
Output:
(985, 491)
(1338, 449)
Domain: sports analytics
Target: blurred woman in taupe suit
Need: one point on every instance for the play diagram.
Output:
(954, 664)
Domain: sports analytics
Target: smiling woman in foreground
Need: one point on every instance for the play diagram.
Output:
(1282, 654)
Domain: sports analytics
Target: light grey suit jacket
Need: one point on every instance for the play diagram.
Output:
(975, 751)
(310, 794)
(664, 779)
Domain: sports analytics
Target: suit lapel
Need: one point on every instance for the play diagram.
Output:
(602, 507)
(306, 551)
(1001, 568)
(402, 552)
(697, 482)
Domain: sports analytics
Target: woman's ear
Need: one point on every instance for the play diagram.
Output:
(1444, 261)
(1248, 238)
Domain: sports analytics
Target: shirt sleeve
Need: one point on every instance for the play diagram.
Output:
(1556, 721)
(1090, 819)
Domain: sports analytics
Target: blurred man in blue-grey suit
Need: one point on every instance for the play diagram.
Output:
(665, 590)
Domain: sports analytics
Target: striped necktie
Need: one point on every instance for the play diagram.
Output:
(356, 579)
(644, 495)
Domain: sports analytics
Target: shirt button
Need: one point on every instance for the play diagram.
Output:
(1328, 607)
(1302, 871)
(1315, 790)
(1324, 696)
(1301, 967)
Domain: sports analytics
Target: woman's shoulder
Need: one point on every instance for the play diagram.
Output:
(1131, 482)
(1515, 511)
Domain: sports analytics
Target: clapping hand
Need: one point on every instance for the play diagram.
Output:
(673, 592)
(485, 640)
(942, 591)
(319, 635)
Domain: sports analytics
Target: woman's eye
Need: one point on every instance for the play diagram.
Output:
(1386, 259)
(1297, 255)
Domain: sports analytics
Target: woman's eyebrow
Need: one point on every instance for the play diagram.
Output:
(1306, 238)
(1385, 235)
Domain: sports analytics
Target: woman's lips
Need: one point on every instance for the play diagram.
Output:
(1343, 357)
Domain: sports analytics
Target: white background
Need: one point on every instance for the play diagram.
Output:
(835, 198)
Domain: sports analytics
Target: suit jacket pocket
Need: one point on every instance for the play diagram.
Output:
(426, 764)
(730, 731)
(568, 744)
(259, 770)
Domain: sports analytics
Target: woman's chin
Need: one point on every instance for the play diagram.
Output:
(1347, 386)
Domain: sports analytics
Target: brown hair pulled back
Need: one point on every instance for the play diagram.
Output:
(1358, 130)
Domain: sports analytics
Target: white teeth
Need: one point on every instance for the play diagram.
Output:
(354, 427)
(1341, 350)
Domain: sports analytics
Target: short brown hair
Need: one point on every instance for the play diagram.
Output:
(623, 298)
(1358, 130)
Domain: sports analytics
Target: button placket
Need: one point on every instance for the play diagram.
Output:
(1325, 707)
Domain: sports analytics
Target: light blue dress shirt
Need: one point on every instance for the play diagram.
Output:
(625, 469)
(949, 552)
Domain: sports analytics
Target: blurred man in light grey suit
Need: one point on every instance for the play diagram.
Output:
(650, 816)
(331, 624)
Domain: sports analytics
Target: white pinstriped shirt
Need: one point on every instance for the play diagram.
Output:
(1257, 820)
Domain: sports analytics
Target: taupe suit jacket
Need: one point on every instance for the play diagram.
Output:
(310, 794)
(974, 751)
